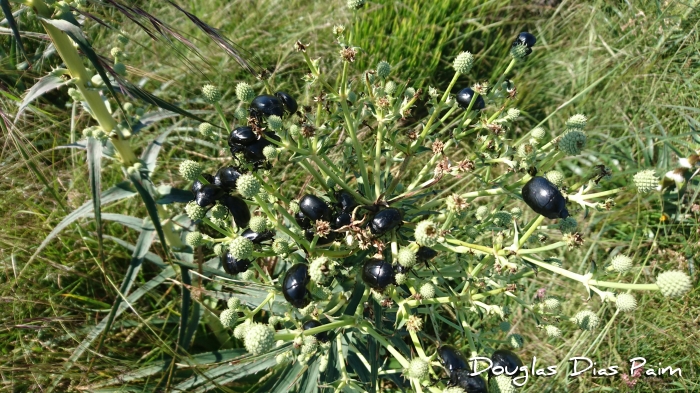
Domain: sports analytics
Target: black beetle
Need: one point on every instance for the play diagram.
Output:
(425, 254)
(341, 220)
(266, 106)
(470, 383)
(346, 202)
(309, 235)
(315, 208)
(464, 98)
(290, 104)
(302, 220)
(197, 185)
(257, 238)
(384, 221)
(508, 360)
(226, 178)
(294, 285)
(452, 359)
(238, 209)
(242, 136)
(208, 195)
(526, 39)
(234, 266)
(254, 152)
(378, 274)
(323, 336)
(544, 198)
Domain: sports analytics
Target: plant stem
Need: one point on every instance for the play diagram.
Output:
(368, 329)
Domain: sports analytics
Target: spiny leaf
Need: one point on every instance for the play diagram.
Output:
(94, 161)
(184, 307)
(151, 257)
(150, 154)
(41, 87)
(136, 180)
(128, 221)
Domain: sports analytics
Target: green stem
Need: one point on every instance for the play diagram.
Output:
(378, 157)
(368, 329)
(342, 322)
(453, 299)
(350, 127)
(222, 117)
(531, 229)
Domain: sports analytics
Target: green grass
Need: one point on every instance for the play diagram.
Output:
(625, 67)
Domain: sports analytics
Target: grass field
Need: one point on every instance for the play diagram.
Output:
(632, 67)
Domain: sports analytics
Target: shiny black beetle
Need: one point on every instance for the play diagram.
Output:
(265, 106)
(243, 136)
(208, 194)
(323, 336)
(226, 178)
(385, 221)
(257, 238)
(197, 185)
(234, 266)
(508, 360)
(464, 98)
(238, 209)
(378, 274)
(294, 285)
(314, 208)
(544, 198)
(458, 370)
(346, 202)
(526, 39)
(290, 104)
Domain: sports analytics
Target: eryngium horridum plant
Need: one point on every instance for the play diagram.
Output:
(405, 225)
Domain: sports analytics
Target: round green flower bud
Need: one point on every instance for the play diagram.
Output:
(426, 233)
(281, 247)
(463, 62)
(552, 304)
(206, 129)
(481, 213)
(400, 278)
(228, 318)
(258, 224)
(240, 114)
(538, 133)
(75, 94)
(294, 131)
(120, 68)
(355, 4)
(233, 303)
(502, 219)
(409, 92)
(453, 389)
(275, 122)
(248, 185)
(572, 142)
(502, 383)
(241, 330)
(190, 170)
(515, 341)
(220, 222)
(526, 150)
(274, 320)
(308, 310)
(383, 69)
(586, 320)
(241, 248)
(577, 122)
(248, 275)
(626, 302)
(418, 368)
(244, 92)
(259, 339)
(504, 326)
(471, 232)
(283, 358)
(568, 225)
(322, 270)
(116, 52)
(555, 177)
(673, 283)
(519, 52)
(552, 331)
(512, 114)
(194, 239)
(218, 211)
(128, 107)
(407, 257)
(516, 212)
(310, 345)
(211, 94)
(621, 263)
(323, 363)
(270, 152)
(646, 181)
(97, 81)
(427, 290)
(219, 250)
(194, 211)
(390, 87)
